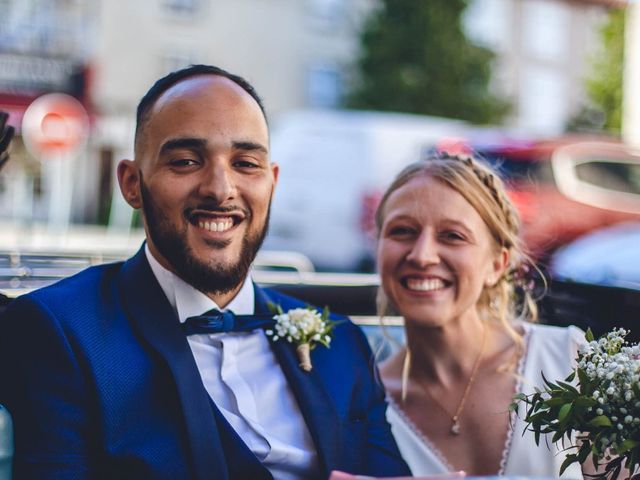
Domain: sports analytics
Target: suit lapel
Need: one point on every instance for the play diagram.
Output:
(310, 390)
(153, 317)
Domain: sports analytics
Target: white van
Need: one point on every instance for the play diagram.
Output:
(334, 166)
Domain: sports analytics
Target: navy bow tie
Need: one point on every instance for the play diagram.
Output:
(215, 321)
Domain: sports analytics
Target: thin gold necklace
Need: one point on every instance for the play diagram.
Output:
(455, 418)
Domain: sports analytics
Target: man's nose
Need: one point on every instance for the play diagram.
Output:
(425, 250)
(218, 182)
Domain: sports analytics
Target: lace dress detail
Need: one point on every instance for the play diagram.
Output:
(418, 433)
(429, 445)
(518, 388)
(547, 349)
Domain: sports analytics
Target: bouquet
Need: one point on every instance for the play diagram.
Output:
(599, 402)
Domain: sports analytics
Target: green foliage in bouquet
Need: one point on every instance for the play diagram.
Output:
(596, 408)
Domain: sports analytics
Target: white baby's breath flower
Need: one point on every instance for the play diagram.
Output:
(609, 369)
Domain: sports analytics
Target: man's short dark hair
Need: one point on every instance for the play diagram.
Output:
(166, 82)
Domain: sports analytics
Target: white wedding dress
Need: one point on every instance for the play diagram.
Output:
(548, 349)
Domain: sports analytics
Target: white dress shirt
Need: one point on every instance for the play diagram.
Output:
(244, 379)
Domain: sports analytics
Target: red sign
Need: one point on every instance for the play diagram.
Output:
(55, 124)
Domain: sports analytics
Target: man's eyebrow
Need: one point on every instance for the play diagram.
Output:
(247, 145)
(187, 143)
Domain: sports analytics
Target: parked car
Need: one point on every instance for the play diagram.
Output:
(546, 182)
(610, 257)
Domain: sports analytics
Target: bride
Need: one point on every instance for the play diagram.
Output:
(451, 264)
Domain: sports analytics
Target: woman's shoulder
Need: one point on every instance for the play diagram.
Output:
(553, 335)
(551, 349)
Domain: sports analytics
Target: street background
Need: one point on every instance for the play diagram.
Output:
(354, 90)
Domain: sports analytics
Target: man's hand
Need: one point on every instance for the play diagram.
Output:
(6, 134)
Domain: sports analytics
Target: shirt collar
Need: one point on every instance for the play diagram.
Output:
(188, 301)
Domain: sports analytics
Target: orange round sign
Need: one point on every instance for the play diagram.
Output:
(55, 124)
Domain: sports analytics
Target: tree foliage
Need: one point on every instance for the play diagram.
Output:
(604, 86)
(604, 83)
(416, 58)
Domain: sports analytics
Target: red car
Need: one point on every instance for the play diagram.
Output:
(553, 209)
(551, 214)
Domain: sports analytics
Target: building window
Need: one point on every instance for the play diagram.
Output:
(181, 7)
(488, 23)
(546, 30)
(543, 106)
(326, 14)
(324, 86)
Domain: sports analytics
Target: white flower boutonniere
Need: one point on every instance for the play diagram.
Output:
(306, 327)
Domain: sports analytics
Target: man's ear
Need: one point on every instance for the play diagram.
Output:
(275, 170)
(129, 181)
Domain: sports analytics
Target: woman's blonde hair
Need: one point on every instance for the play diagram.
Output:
(510, 297)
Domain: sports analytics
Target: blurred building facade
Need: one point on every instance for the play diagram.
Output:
(44, 47)
(543, 52)
(298, 53)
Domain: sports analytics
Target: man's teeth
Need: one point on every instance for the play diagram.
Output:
(216, 226)
(425, 285)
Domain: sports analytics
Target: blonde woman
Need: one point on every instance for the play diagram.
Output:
(451, 264)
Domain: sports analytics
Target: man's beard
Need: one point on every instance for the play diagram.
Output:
(171, 242)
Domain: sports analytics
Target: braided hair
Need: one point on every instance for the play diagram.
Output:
(511, 296)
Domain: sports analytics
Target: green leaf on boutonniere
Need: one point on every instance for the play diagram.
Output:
(275, 308)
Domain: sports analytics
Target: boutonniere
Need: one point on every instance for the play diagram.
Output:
(306, 327)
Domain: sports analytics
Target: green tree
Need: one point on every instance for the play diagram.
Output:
(604, 86)
(416, 58)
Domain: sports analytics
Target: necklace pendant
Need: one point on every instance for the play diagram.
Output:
(455, 427)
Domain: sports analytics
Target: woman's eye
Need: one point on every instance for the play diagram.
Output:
(453, 236)
(400, 231)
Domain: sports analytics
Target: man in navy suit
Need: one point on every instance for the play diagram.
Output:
(98, 371)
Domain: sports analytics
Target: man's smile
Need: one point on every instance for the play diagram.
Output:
(212, 221)
(219, 225)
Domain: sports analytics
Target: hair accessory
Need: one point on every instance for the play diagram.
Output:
(521, 276)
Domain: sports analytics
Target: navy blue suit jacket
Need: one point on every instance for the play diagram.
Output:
(101, 383)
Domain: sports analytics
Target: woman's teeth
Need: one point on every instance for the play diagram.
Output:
(425, 285)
